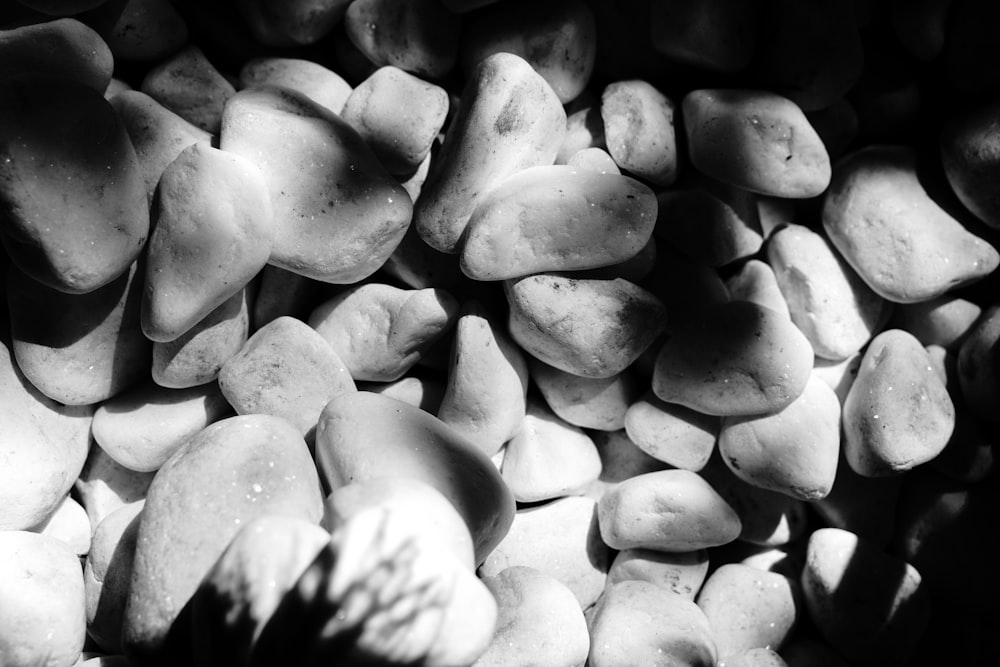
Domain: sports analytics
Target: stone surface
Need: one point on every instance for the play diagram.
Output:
(190, 86)
(978, 371)
(64, 47)
(69, 524)
(756, 281)
(322, 85)
(970, 154)
(107, 573)
(593, 403)
(943, 320)
(104, 485)
(681, 572)
(639, 130)
(672, 433)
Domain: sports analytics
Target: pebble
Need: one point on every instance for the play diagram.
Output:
(738, 359)
(286, 369)
(672, 433)
(669, 510)
(970, 155)
(78, 215)
(69, 523)
(338, 213)
(756, 140)
(190, 86)
(826, 299)
(584, 128)
(639, 623)
(680, 572)
(80, 349)
(593, 328)
(749, 608)
(943, 320)
(361, 436)
(898, 239)
(592, 403)
(508, 119)
(41, 601)
(548, 458)
(107, 573)
(870, 606)
(318, 83)
(755, 281)
(484, 397)
(560, 538)
(794, 451)
(230, 473)
(593, 159)
(898, 413)
(417, 265)
(400, 325)
(424, 393)
(104, 485)
(43, 444)
(839, 375)
(978, 371)
(639, 130)
(63, 47)
(147, 30)
(539, 622)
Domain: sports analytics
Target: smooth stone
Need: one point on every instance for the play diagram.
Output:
(898, 239)
(400, 141)
(286, 369)
(361, 436)
(639, 130)
(978, 368)
(738, 359)
(197, 356)
(749, 608)
(718, 35)
(63, 47)
(620, 460)
(508, 119)
(245, 586)
(593, 328)
(898, 413)
(756, 140)
(43, 445)
(867, 604)
(418, 36)
(399, 326)
(548, 458)
(943, 320)
(148, 30)
(592, 403)
(593, 159)
(107, 573)
(487, 383)
(639, 623)
(635, 269)
(213, 234)
(970, 155)
(80, 349)
(672, 433)
(560, 538)
(282, 293)
(60, 7)
(556, 218)
(70, 524)
(77, 212)
(668, 510)
(755, 657)
(104, 485)
(322, 85)
(681, 572)
(539, 622)
(338, 213)
(794, 451)
(558, 39)
(190, 86)
(230, 473)
(41, 601)
(157, 133)
(756, 281)
(421, 503)
(420, 392)
(143, 426)
(290, 23)
(826, 299)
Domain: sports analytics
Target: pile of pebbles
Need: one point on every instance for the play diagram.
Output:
(497, 332)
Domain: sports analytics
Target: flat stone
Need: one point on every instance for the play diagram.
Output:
(107, 573)
(190, 86)
(680, 572)
(593, 403)
(672, 433)
(320, 84)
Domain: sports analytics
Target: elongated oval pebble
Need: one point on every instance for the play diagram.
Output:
(670, 510)
(682, 572)
(756, 140)
(639, 130)
(898, 413)
(556, 218)
(888, 228)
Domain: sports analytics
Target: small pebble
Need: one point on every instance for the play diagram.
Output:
(672, 433)
(639, 130)
(593, 403)
(104, 485)
(944, 320)
(756, 281)
(681, 572)
(190, 86)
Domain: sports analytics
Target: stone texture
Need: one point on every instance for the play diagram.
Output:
(672, 433)
(322, 85)
(639, 130)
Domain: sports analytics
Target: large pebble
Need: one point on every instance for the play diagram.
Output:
(107, 573)
(147, 30)
(672, 433)
(361, 436)
(320, 84)
(41, 602)
(639, 623)
(594, 403)
(230, 473)
(540, 621)
(669, 510)
(560, 538)
(77, 210)
(739, 358)
(869, 605)
(556, 218)
(639, 130)
(756, 140)
(285, 369)
(398, 325)
(190, 86)
(338, 214)
(508, 119)
(681, 572)
(898, 413)
(593, 328)
(889, 229)
(826, 299)
(63, 47)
